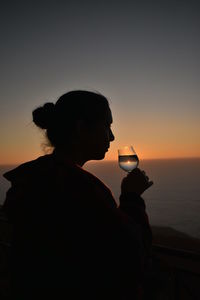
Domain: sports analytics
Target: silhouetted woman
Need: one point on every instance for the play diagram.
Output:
(70, 240)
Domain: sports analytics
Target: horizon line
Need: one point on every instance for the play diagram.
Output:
(110, 160)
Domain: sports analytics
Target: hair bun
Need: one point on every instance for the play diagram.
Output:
(43, 116)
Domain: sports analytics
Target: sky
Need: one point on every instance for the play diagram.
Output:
(144, 56)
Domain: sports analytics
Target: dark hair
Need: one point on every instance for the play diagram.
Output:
(59, 119)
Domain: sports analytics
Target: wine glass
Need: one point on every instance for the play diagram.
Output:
(128, 159)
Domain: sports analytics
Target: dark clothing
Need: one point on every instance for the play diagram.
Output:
(70, 239)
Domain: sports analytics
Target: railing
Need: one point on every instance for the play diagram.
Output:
(183, 269)
(175, 251)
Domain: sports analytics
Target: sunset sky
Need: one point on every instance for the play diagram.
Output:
(143, 55)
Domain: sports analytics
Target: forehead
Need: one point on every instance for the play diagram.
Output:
(108, 116)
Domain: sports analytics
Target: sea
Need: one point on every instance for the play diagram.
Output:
(173, 200)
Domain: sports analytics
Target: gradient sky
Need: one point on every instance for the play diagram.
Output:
(143, 55)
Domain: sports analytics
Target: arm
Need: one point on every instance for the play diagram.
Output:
(133, 204)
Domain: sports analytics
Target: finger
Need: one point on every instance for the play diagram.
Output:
(150, 183)
(136, 171)
(146, 177)
(144, 174)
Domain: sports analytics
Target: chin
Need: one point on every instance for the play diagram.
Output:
(99, 156)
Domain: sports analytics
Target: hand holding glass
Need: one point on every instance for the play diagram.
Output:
(128, 159)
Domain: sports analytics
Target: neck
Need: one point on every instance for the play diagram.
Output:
(70, 155)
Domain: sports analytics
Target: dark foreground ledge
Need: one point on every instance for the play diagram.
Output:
(174, 250)
(170, 237)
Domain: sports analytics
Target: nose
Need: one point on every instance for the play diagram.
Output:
(111, 136)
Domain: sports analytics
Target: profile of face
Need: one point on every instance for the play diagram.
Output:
(96, 139)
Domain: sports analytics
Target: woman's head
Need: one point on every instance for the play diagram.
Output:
(79, 118)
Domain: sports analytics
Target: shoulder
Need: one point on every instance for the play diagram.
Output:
(29, 169)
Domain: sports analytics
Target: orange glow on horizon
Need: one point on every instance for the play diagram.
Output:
(30, 148)
(112, 156)
(18, 156)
